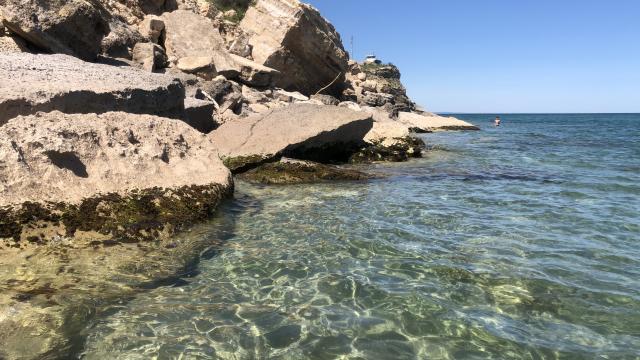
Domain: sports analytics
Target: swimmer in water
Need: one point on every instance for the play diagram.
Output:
(497, 121)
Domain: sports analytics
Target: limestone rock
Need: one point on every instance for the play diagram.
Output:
(325, 99)
(234, 67)
(81, 171)
(12, 44)
(289, 96)
(201, 66)
(311, 132)
(149, 56)
(121, 39)
(429, 123)
(31, 83)
(152, 28)
(190, 35)
(73, 27)
(199, 114)
(295, 39)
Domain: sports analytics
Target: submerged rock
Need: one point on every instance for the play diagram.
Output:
(303, 131)
(32, 83)
(112, 176)
(290, 171)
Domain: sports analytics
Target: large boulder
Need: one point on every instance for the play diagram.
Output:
(295, 39)
(190, 35)
(432, 122)
(195, 44)
(31, 83)
(303, 131)
(114, 175)
(73, 27)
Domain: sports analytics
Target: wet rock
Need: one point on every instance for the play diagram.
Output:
(295, 39)
(31, 83)
(114, 175)
(69, 27)
(302, 131)
(290, 171)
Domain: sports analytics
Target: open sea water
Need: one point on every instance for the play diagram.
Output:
(517, 242)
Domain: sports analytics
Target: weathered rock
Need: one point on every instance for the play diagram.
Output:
(311, 132)
(295, 39)
(389, 140)
(234, 67)
(325, 99)
(201, 66)
(291, 171)
(289, 96)
(377, 99)
(152, 28)
(253, 96)
(199, 114)
(121, 40)
(12, 44)
(31, 83)
(149, 56)
(119, 175)
(73, 27)
(423, 123)
(190, 35)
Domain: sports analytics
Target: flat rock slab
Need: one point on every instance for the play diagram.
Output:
(31, 83)
(306, 131)
(87, 165)
(428, 123)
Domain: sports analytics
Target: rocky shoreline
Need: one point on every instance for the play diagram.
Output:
(122, 124)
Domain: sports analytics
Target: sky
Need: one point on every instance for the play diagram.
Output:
(502, 56)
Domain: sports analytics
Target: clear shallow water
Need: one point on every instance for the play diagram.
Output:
(521, 242)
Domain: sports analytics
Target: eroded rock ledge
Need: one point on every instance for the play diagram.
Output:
(113, 176)
(64, 83)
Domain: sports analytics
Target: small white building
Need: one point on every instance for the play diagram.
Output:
(372, 59)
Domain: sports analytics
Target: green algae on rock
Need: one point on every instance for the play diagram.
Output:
(402, 149)
(288, 171)
(141, 215)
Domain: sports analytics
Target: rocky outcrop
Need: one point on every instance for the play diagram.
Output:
(378, 85)
(31, 83)
(301, 131)
(110, 176)
(295, 39)
(432, 122)
(73, 27)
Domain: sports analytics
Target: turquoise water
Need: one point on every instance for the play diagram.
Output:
(521, 242)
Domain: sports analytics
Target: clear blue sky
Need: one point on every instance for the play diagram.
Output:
(502, 55)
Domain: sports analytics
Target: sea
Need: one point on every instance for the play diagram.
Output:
(514, 242)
